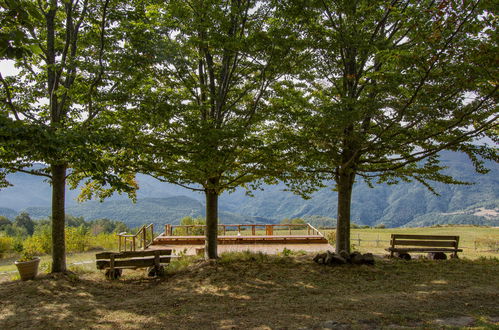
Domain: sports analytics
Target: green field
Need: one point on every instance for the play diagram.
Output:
(475, 241)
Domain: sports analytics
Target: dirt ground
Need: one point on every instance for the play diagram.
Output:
(256, 291)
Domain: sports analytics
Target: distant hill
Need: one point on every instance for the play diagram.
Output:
(159, 211)
(404, 204)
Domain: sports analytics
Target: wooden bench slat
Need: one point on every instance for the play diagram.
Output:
(132, 254)
(424, 243)
(428, 237)
(139, 263)
(423, 250)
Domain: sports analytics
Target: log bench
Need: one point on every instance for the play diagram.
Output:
(402, 244)
(115, 262)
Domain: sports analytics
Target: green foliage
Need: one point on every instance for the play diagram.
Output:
(52, 110)
(4, 221)
(6, 244)
(23, 220)
(232, 257)
(77, 239)
(294, 221)
(331, 237)
(26, 256)
(388, 86)
(104, 241)
(189, 221)
(40, 242)
(15, 231)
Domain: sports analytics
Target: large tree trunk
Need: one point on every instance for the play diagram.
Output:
(58, 218)
(211, 224)
(344, 181)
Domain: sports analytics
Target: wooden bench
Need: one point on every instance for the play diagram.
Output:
(403, 244)
(115, 262)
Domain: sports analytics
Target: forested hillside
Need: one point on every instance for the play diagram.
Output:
(404, 204)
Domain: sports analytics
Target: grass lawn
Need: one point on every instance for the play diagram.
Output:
(255, 291)
(7, 265)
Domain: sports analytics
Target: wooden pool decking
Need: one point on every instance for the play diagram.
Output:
(190, 238)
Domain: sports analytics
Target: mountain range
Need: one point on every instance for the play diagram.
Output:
(403, 204)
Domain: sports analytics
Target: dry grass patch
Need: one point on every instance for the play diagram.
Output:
(259, 291)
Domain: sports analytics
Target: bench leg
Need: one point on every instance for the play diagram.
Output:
(156, 271)
(113, 274)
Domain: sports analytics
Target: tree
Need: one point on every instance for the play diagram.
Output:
(4, 221)
(50, 110)
(197, 105)
(23, 220)
(389, 86)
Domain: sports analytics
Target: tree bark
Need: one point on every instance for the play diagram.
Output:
(58, 218)
(211, 224)
(345, 180)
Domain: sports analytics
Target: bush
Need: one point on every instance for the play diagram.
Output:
(6, 245)
(104, 241)
(331, 237)
(77, 239)
(189, 221)
(40, 242)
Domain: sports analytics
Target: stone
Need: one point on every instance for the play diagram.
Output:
(320, 258)
(368, 259)
(329, 258)
(334, 325)
(345, 255)
(337, 260)
(437, 256)
(403, 255)
(356, 258)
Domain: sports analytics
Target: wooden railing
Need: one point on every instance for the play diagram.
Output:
(224, 230)
(130, 242)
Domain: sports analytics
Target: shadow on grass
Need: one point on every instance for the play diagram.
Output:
(278, 292)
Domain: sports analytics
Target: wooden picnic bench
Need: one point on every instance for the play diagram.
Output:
(402, 244)
(115, 262)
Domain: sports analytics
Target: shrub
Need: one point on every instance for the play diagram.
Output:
(77, 239)
(189, 221)
(40, 242)
(331, 237)
(6, 244)
(104, 241)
